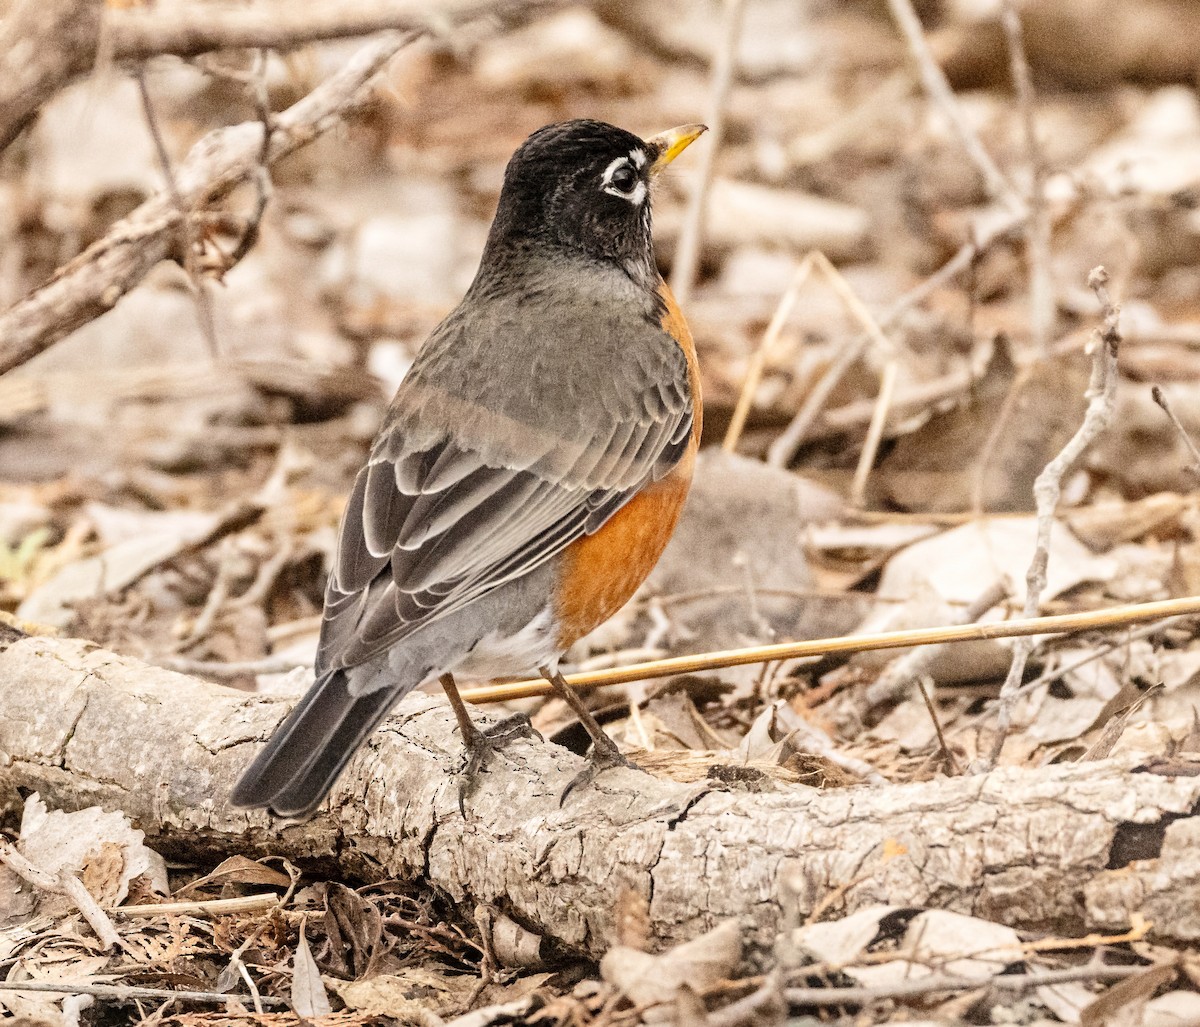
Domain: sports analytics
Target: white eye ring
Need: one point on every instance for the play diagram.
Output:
(636, 194)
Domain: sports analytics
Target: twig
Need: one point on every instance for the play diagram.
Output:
(63, 883)
(94, 281)
(784, 448)
(999, 981)
(147, 31)
(1041, 284)
(1062, 624)
(874, 436)
(262, 176)
(893, 683)
(202, 907)
(941, 94)
(128, 993)
(265, 578)
(1102, 393)
(758, 362)
(872, 332)
(204, 312)
(216, 596)
(1101, 650)
(691, 236)
(924, 682)
(1160, 398)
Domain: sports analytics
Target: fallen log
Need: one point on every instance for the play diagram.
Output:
(1064, 849)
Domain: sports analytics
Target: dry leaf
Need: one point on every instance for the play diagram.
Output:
(700, 963)
(308, 991)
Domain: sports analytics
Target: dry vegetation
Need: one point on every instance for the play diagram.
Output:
(943, 268)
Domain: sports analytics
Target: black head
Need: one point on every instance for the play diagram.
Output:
(583, 187)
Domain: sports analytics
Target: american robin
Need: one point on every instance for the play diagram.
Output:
(529, 470)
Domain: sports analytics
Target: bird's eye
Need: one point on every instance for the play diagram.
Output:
(623, 178)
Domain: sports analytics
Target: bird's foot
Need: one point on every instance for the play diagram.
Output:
(603, 757)
(481, 746)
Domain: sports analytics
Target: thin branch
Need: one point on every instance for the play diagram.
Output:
(1047, 489)
(147, 31)
(1160, 398)
(784, 448)
(187, 251)
(202, 907)
(687, 256)
(95, 280)
(896, 679)
(1062, 624)
(758, 362)
(74, 36)
(1041, 283)
(62, 883)
(943, 96)
(128, 993)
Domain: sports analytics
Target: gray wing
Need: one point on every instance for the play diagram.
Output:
(477, 478)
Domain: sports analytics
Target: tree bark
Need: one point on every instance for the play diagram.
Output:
(1063, 849)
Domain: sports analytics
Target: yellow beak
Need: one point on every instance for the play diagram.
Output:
(670, 144)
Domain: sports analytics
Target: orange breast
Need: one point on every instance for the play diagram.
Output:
(599, 573)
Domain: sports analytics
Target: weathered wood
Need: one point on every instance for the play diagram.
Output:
(1028, 847)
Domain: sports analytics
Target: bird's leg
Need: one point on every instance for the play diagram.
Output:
(480, 744)
(605, 754)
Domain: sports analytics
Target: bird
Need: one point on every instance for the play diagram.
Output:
(527, 474)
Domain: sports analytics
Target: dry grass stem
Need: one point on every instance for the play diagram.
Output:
(870, 449)
(943, 96)
(1102, 393)
(1041, 283)
(129, 993)
(1062, 624)
(758, 363)
(873, 331)
(202, 907)
(724, 66)
(784, 448)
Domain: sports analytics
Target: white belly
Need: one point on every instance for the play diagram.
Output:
(535, 645)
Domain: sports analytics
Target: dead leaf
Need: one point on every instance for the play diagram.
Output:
(308, 991)
(699, 963)
(1123, 1003)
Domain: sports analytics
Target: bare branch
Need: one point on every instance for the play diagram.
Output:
(46, 44)
(941, 94)
(63, 883)
(95, 280)
(1102, 395)
(43, 45)
(137, 33)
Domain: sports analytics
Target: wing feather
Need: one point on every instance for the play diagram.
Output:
(464, 493)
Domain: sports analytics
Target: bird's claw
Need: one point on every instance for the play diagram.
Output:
(603, 758)
(480, 746)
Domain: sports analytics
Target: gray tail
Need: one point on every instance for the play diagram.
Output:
(308, 750)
